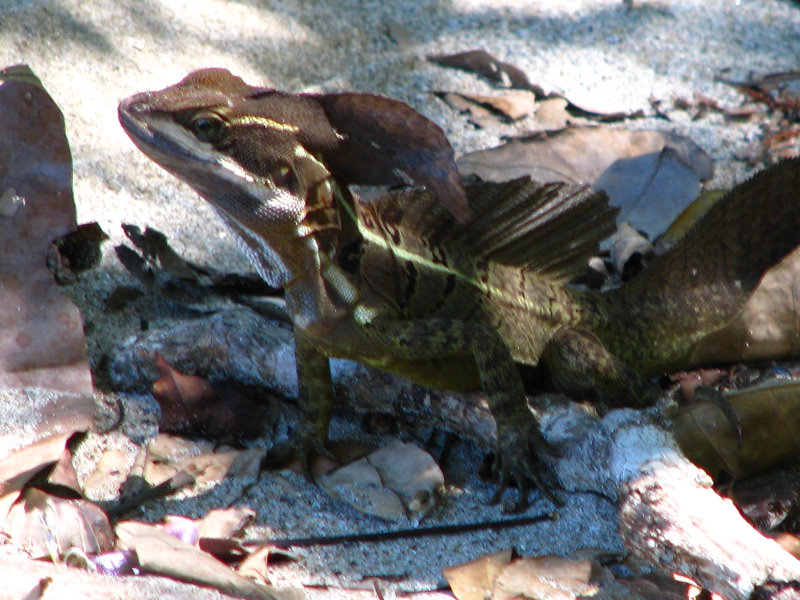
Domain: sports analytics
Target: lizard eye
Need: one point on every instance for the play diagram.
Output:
(207, 127)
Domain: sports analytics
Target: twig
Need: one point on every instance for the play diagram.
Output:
(173, 484)
(383, 536)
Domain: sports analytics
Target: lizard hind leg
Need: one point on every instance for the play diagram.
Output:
(520, 444)
(578, 364)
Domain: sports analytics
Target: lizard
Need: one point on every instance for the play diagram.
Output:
(451, 287)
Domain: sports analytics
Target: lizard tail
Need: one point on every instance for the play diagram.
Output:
(702, 283)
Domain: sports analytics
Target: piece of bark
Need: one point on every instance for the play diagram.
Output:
(669, 514)
(625, 456)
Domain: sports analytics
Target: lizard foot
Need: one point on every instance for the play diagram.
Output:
(306, 448)
(518, 458)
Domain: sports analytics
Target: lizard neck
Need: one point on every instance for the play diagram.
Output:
(321, 293)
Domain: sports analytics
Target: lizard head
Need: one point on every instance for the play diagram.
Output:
(238, 146)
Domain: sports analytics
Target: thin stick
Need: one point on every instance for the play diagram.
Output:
(383, 536)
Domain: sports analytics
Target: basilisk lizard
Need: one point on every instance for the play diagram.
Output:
(448, 302)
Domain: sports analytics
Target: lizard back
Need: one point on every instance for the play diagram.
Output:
(508, 267)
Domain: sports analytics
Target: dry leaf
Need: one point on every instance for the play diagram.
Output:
(510, 105)
(768, 416)
(578, 154)
(780, 90)
(227, 522)
(483, 63)
(395, 482)
(42, 343)
(48, 526)
(396, 143)
(168, 456)
(474, 580)
(219, 529)
(192, 405)
(552, 115)
(78, 251)
(651, 189)
(160, 553)
(547, 578)
(64, 477)
(108, 476)
(768, 326)
(20, 466)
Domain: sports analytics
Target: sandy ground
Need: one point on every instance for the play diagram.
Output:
(92, 53)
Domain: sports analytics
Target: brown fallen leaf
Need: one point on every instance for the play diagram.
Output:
(475, 580)
(483, 63)
(48, 526)
(552, 114)
(780, 90)
(43, 342)
(257, 565)
(510, 106)
(168, 456)
(192, 405)
(19, 467)
(160, 553)
(396, 482)
(109, 474)
(578, 154)
(652, 176)
(548, 577)
(221, 530)
(62, 479)
(768, 415)
(767, 327)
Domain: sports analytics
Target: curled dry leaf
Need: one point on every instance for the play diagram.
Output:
(396, 482)
(780, 90)
(256, 565)
(651, 175)
(768, 416)
(48, 526)
(19, 467)
(481, 62)
(169, 456)
(510, 105)
(399, 144)
(160, 553)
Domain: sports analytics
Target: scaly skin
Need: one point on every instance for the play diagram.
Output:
(400, 285)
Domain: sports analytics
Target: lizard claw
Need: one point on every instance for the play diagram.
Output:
(518, 458)
(305, 448)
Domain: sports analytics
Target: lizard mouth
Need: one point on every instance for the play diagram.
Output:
(164, 141)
